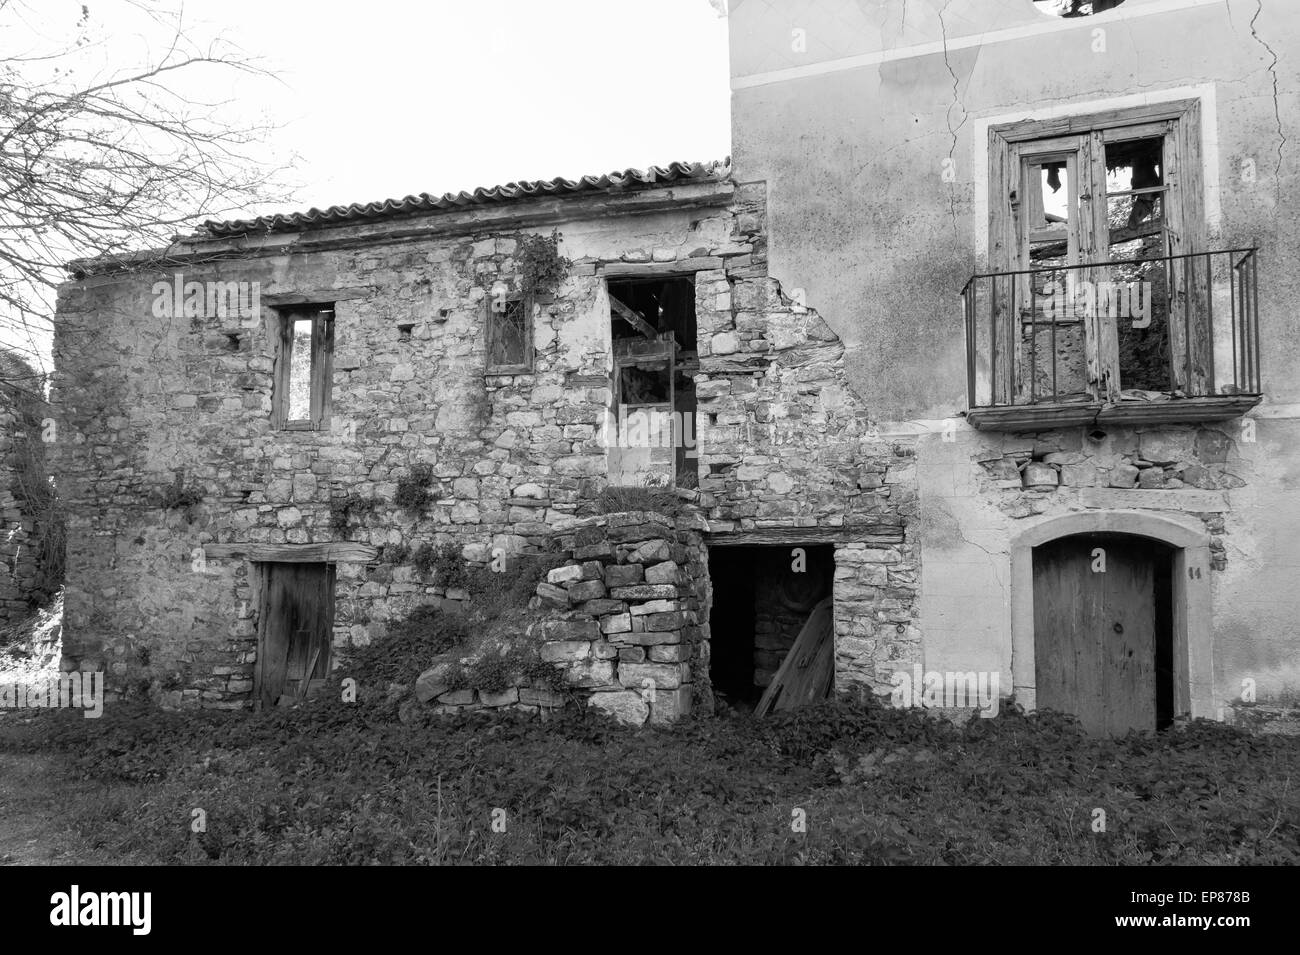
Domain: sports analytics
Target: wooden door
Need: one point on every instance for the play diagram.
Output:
(1097, 629)
(295, 624)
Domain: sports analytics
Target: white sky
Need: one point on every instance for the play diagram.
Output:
(382, 98)
(386, 98)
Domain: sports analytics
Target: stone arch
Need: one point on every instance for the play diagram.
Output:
(1193, 663)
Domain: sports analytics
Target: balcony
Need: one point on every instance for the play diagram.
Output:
(1143, 340)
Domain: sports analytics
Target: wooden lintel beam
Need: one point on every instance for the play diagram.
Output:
(342, 552)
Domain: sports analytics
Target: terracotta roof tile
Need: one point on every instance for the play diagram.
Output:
(510, 192)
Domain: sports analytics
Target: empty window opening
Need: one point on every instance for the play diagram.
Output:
(763, 599)
(304, 368)
(1103, 631)
(295, 628)
(655, 358)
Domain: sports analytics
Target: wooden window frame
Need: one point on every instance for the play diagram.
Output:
(1179, 124)
(322, 367)
(489, 328)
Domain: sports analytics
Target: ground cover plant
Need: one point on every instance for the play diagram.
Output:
(843, 782)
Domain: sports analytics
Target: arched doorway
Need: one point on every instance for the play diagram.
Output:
(1103, 631)
(1175, 548)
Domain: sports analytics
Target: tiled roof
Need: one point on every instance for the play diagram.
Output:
(511, 192)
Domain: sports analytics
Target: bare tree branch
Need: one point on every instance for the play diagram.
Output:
(119, 160)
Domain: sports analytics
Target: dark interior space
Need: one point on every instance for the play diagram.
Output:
(652, 324)
(761, 601)
(666, 304)
(1164, 639)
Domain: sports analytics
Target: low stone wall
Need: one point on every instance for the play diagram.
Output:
(626, 618)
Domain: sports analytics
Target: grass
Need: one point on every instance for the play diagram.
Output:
(331, 783)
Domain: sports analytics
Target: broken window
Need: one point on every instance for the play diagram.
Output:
(509, 334)
(304, 368)
(1075, 8)
(1098, 215)
(654, 360)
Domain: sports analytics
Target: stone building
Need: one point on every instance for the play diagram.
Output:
(893, 370)
(911, 150)
(206, 447)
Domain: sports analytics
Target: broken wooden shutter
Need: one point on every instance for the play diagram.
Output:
(1004, 254)
(1190, 336)
(1103, 335)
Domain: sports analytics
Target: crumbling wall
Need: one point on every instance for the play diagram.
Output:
(147, 401)
(24, 490)
(625, 617)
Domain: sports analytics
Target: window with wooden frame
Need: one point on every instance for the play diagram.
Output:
(509, 328)
(1088, 212)
(304, 368)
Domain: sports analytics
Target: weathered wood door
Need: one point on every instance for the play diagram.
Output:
(295, 624)
(1098, 629)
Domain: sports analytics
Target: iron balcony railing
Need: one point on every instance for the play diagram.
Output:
(1155, 327)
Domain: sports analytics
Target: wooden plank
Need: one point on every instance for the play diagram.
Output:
(322, 369)
(682, 267)
(633, 318)
(1097, 229)
(807, 672)
(321, 298)
(1005, 188)
(1105, 119)
(342, 552)
(873, 535)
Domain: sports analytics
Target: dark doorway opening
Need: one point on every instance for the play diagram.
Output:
(762, 598)
(1103, 631)
(295, 631)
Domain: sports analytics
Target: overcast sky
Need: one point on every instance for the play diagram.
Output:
(383, 98)
(386, 98)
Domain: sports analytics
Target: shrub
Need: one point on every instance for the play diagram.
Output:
(541, 267)
(411, 646)
(616, 498)
(330, 783)
(413, 490)
(344, 508)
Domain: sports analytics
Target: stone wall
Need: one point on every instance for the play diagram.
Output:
(145, 401)
(626, 618)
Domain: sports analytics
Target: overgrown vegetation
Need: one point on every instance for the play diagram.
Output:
(348, 506)
(182, 497)
(490, 629)
(410, 647)
(413, 490)
(332, 783)
(615, 498)
(32, 487)
(541, 267)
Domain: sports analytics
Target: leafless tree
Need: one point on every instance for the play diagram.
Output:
(114, 158)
